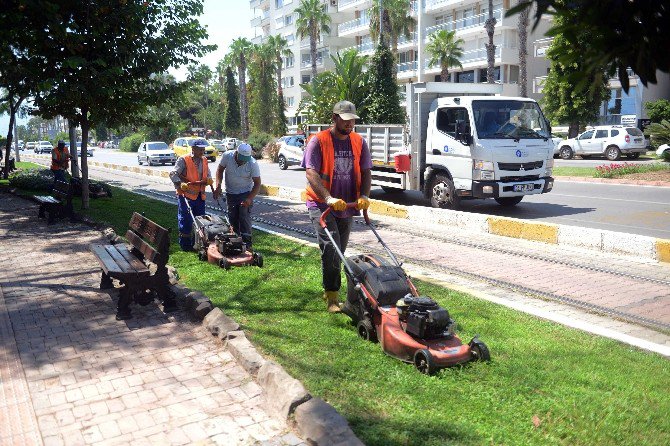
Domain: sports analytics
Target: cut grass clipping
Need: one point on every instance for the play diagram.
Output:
(546, 384)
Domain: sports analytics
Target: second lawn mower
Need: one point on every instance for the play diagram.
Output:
(386, 307)
(217, 243)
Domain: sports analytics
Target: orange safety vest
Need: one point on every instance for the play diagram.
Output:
(328, 161)
(60, 157)
(191, 176)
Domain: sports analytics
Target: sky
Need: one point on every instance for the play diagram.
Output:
(225, 21)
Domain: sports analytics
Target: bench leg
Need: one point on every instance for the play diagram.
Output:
(41, 213)
(123, 307)
(167, 298)
(106, 282)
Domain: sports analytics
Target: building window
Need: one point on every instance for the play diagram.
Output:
(287, 81)
(288, 62)
(289, 101)
(496, 74)
(290, 38)
(279, 22)
(305, 79)
(466, 77)
(288, 20)
(279, 4)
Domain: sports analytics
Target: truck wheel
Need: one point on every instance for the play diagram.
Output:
(443, 193)
(565, 153)
(391, 190)
(509, 201)
(613, 153)
(283, 165)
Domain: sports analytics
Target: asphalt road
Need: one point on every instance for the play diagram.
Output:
(643, 210)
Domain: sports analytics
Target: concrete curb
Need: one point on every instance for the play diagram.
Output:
(596, 239)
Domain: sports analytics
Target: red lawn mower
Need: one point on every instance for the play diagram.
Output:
(386, 307)
(217, 243)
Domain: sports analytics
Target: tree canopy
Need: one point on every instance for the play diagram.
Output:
(630, 33)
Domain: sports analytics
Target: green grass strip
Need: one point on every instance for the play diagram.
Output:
(546, 384)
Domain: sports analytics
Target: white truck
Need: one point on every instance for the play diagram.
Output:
(463, 143)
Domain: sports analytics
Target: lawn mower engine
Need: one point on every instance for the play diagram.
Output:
(211, 226)
(229, 244)
(424, 318)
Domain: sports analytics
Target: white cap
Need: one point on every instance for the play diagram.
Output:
(244, 149)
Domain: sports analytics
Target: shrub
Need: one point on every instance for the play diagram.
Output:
(619, 170)
(258, 140)
(132, 143)
(271, 151)
(33, 179)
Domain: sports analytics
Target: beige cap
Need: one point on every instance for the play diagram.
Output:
(346, 110)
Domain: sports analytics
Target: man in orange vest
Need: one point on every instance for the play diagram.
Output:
(337, 163)
(60, 157)
(191, 177)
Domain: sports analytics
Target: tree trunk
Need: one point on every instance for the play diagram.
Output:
(280, 88)
(523, 37)
(13, 108)
(444, 73)
(84, 164)
(16, 144)
(74, 163)
(394, 52)
(244, 118)
(573, 129)
(312, 49)
(490, 25)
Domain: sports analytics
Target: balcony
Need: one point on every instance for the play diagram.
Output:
(363, 48)
(305, 43)
(407, 66)
(467, 23)
(435, 5)
(258, 3)
(470, 57)
(344, 5)
(359, 26)
(405, 42)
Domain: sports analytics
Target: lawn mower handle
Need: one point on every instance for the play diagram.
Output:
(322, 220)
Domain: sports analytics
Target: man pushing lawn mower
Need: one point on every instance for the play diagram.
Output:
(191, 177)
(338, 164)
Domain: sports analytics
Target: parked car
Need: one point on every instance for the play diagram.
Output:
(230, 143)
(89, 149)
(557, 144)
(155, 152)
(218, 144)
(31, 146)
(43, 147)
(182, 146)
(22, 144)
(610, 141)
(291, 148)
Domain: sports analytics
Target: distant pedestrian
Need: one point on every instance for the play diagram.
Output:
(243, 182)
(191, 177)
(338, 164)
(60, 158)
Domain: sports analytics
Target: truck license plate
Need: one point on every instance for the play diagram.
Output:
(523, 187)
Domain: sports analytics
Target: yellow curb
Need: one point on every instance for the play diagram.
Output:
(663, 250)
(538, 232)
(389, 209)
(303, 195)
(271, 191)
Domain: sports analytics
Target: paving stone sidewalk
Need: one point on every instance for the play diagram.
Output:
(71, 374)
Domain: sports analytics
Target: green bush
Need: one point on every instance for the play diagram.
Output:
(258, 141)
(132, 143)
(271, 151)
(33, 179)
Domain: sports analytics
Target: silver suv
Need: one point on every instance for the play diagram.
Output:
(610, 141)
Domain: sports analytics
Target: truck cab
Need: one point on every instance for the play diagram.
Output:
(486, 147)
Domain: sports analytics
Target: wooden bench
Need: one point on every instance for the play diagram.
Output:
(58, 204)
(129, 264)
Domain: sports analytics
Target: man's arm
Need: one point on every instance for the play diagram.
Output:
(366, 182)
(219, 178)
(254, 191)
(314, 180)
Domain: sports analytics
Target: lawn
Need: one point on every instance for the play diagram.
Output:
(546, 384)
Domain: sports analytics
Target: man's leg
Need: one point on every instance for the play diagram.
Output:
(244, 221)
(330, 260)
(233, 212)
(185, 223)
(59, 175)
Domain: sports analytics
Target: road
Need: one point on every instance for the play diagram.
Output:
(643, 210)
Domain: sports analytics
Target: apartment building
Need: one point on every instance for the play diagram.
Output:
(350, 28)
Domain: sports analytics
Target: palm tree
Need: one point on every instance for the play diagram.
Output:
(523, 52)
(279, 46)
(490, 26)
(444, 50)
(312, 21)
(261, 87)
(238, 50)
(396, 22)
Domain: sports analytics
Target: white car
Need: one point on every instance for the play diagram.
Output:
(610, 141)
(230, 143)
(663, 148)
(155, 152)
(43, 147)
(218, 144)
(89, 149)
(291, 149)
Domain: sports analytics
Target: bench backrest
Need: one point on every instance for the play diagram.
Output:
(149, 239)
(61, 190)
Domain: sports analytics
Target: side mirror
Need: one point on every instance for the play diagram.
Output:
(463, 132)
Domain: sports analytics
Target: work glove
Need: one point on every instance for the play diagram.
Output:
(336, 203)
(184, 186)
(210, 181)
(362, 203)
